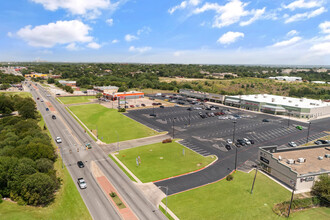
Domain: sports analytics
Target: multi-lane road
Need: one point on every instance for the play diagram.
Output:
(72, 150)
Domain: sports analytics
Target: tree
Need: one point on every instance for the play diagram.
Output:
(50, 80)
(44, 165)
(6, 105)
(28, 109)
(321, 189)
(99, 95)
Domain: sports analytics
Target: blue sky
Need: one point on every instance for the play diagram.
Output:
(167, 31)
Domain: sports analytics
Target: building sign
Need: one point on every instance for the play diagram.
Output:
(264, 160)
(307, 179)
(251, 103)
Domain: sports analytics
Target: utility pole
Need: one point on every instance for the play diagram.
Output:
(255, 176)
(309, 126)
(294, 188)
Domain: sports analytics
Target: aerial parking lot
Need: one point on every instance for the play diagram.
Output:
(202, 131)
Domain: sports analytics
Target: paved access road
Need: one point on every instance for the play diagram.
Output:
(72, 150)
(208, 136)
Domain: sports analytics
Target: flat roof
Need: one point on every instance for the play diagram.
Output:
(283, 100)
(312, 163)
(105, 87)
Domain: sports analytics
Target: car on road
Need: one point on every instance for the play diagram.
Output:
(53, 117)
(47, 109)
(48, 95)
(299, 127)
(292, 144)
(144, 105)
(161, 106)
(80, 164)
(41, 100)
(38, 98)
(58, 140)
(265, 120)
(81, 183)
(228, 147)
(229, 141)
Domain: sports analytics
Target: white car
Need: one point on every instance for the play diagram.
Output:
(229, 141)
(82, 184)
(292, 144)
(247, 141)
(58, 140)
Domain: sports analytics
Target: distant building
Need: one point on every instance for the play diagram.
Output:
(36, 75)
(203, 95)
(287, 78)
(123, 95)
(319, 82)
(296, 167)
(68, 83)
(280, 105)
(106, 89)
(322, 70)
(286, 71)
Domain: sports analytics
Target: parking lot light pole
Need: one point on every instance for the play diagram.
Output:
(234, 122)
(309, 126)
(166, 187)
(173, 128)
(294, 188)
(255, 176)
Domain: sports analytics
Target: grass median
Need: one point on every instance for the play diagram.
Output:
(76, 99)
(159, 161)
(232, 200)
(110, 122)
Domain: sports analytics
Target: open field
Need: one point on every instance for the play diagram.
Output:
(68, 203)
(76, 99)
(159, 161)
(23, 94)
(109, 122)
(232, 200)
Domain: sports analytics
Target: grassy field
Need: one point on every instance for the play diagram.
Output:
(76, 99)
(159, 161)
(68, 203)
(109, 121)
(23, 94)
(232, 200)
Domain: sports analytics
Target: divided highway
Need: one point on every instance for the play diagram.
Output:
(72, 150)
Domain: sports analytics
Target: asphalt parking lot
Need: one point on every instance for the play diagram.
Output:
(207, 136)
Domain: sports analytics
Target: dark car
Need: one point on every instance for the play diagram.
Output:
(153, 115)
(228, 147)
(251, 141)
(241, 142)
(80, 164)
(53, 117)
(161, 106)
(265, 120)
(47, 109)
(189, 109)
(37, 98)
(143, 105)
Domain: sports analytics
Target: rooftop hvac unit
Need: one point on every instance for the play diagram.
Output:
(284, 97)
(279, 158)
(327, 155)
(296, 105)
(320, 157)
(290, 161)
(301, 160)
(273, 99)
(290, 101)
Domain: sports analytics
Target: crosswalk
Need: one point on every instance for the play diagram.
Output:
(195, 148)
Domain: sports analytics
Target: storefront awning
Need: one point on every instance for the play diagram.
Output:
(232, 100)
(272, 107)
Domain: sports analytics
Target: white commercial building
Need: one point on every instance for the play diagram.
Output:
(287, 78)
(281, 105)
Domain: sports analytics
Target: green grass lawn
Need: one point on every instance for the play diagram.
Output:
(232, 200)
(76, 99)
(108, 121)
(159, 161)
(22, 94)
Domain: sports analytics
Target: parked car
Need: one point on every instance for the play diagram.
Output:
(318, 142)
(299, 127)
(137, 106)
(80, 164)
(161, 106)
(323, 141)
(47, 109)
(251, 141)
(292, 144)
(143, 105)
(247, 141)
(189, 109)
(58, 140)
(241, 142)
(229, 141)
(53, 117)
(265, 120)
(132, 106)
(38, 98)
(228, 147)
(81, 183)
(41, 100)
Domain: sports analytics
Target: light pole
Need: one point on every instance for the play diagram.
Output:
(173, 128)
(289, 119)
(255, 176)
(166, 187)
(189, 116)
(309, 126)
(293, 189)
(234, 122)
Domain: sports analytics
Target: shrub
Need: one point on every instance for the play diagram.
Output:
(0, 198)
(112, 194)
(229, 177)
(122, 110)
(169, 140)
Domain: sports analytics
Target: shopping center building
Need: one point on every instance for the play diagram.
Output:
(280, 105)
(297, 168)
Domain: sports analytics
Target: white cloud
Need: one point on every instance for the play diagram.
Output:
(287, 42)
(321, 48)
(115, 41)
(292, 33)
(90, 8)
(61, 32)
(230, 37)
(305, 16)
(230, 13)
(129, 37)
(94, 45)
(178, 53)
(184, 5)
(325, 27)
(139, 49)
(9, 34)
(72, 47)
(109, 21)
(303, 4)
(144, 30)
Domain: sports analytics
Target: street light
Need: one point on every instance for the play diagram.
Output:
(166, 187)
(234, 122)
(173, 127)
(309, 126)
(254, 179)
(293, 189)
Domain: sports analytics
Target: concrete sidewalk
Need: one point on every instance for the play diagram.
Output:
(108, 148)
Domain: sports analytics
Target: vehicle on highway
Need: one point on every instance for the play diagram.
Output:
(292, 144)
(81, 183)
(265, 120)
(38, 98)
(299, 127)
(144, 105)
(228, 147)
(58, 140)
(80, 164)
(53, 117)
(47, 109)
(229, 141)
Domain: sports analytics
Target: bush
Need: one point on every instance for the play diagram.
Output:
(122, 110)
(112, 194)
(229, 177)
(282, 208)
(169, 140)
(0, 198)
